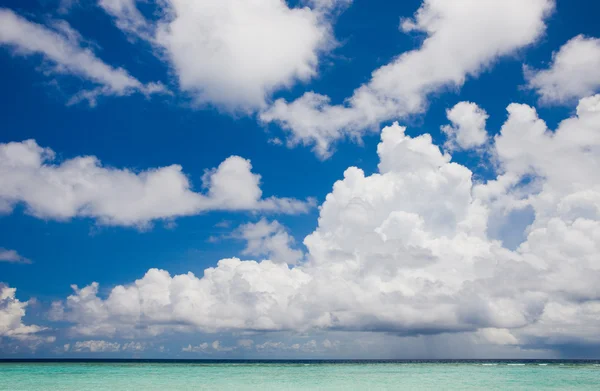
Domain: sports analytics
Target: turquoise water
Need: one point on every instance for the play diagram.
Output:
(298, 376)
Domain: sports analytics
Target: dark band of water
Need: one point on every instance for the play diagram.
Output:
(332, 361)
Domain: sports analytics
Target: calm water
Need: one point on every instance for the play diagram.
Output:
(150, 376)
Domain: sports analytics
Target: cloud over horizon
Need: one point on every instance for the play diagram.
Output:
(406, 250)
(452, 208)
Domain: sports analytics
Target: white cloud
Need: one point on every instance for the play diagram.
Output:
(82, 187)
(201, 348)
(327, 344)
(62, 47)
(327, 5)
(11, 256)
(468, 126)
(101, 346)
(574, 72)
(133, 347)
(269, 239)
(96, 346)
(12, 311)
(496, 336)
(128, 17)
(406, 250)
(270, 346)
(311, 346)
(235, 53)
(462, 40)
(245, 343)
(206, 347)
(149, 306)
(65, 6)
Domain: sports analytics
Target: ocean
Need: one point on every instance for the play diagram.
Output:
(149, 375)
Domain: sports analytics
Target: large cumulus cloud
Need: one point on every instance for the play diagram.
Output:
(407, 250)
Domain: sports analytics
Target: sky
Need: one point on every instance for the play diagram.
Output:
(299, 179)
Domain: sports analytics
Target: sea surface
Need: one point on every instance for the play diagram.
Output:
(299, 375)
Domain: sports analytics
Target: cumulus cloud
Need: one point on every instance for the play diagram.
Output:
(63, 48)
(101, 346)
(202, 348)
(468, 126)
(407, 250)
(11, 256)
(235, 53)
(205, 347)
(96, 346)
(574, 72)
(266, 347)
(491, 28)
(133, 346)
(83, 187)
(270, 240)
(245, 343)
(149, 307)
(12, 311)
(307, 347)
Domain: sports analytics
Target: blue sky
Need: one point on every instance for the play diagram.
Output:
(225, 93)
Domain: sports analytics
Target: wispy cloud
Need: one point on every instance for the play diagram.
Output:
(11, 256)
(64, 49)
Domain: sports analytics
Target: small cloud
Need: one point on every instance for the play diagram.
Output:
(269, 239)
(201, 348)
(213, 239)
(245, 343)
(95, 346)
(206, 347)
(11, 256)
(170, 224)
(134, 347)
(223, 224)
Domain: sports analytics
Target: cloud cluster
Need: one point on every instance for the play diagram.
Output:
(268, 346)
(574, 72)
(205, 347)
(95, 346)
(232, 54)
(407, 250)
(83, 187)
(63, 48)
(416, 248)
(311, 346)
(12, 311)
(158, 302)
(461, 41)
(101, 346)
